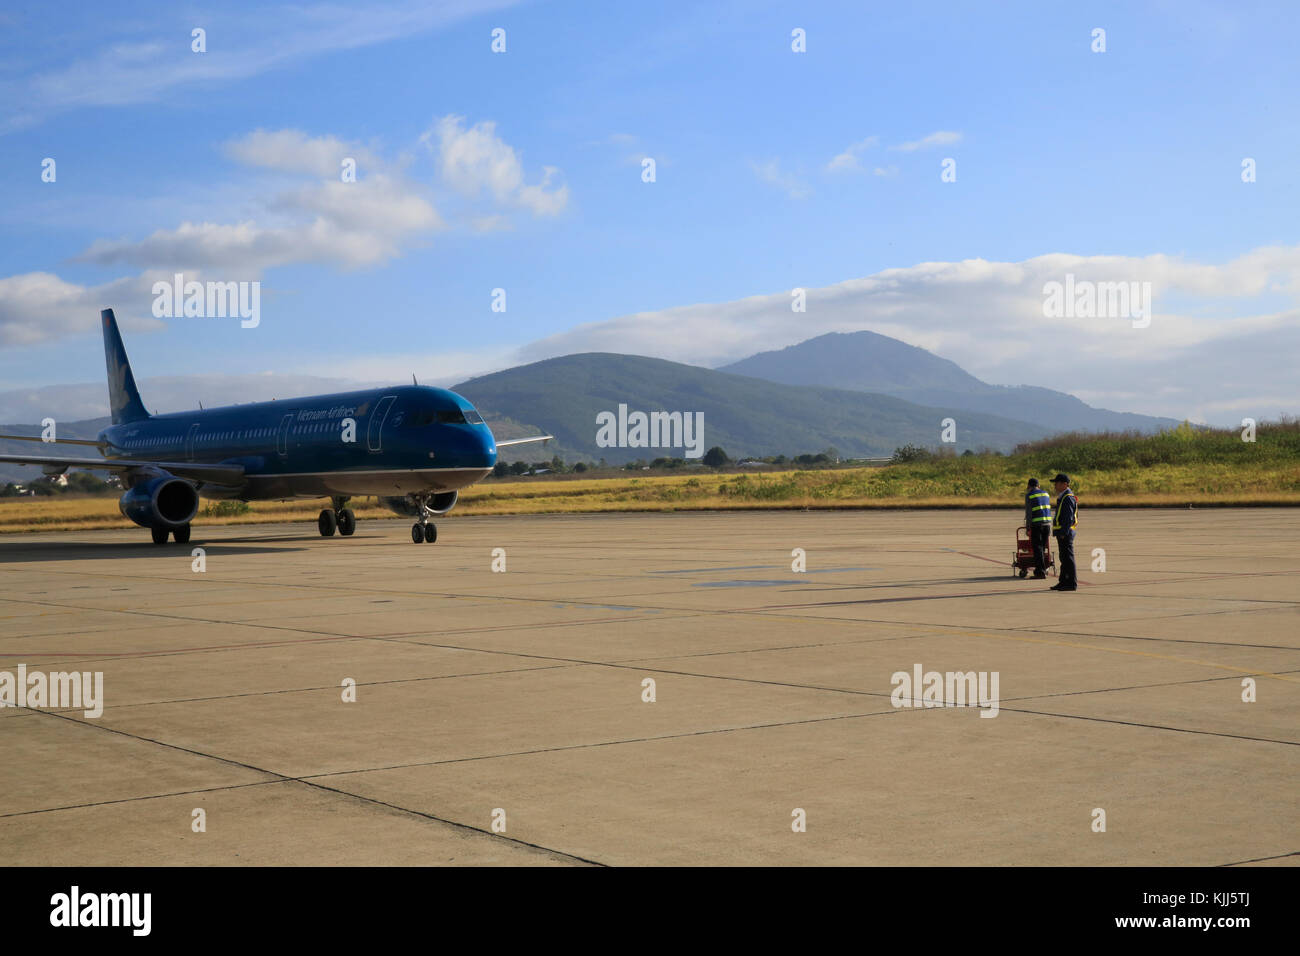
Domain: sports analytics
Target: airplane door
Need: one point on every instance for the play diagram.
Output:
(282, 440)
(189, 441)
(375, 432)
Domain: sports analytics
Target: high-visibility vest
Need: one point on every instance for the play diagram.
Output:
(1056, 519)
(1040, 507)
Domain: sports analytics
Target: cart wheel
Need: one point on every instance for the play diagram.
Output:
(1023, 572)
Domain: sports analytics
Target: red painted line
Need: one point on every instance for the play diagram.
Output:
(180, 650)
(308, 640)
(981, 557)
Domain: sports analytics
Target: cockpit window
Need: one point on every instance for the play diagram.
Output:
(446, 416)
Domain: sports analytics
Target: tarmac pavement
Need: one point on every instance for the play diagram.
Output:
(501, 717)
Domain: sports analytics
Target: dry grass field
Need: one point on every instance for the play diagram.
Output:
(797, 490)
(1178, 468)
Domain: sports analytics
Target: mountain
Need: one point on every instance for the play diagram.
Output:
(869, 362)
(745, 415)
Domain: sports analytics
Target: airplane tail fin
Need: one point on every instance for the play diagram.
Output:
(123, 397)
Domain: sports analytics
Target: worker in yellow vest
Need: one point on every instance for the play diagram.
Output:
(1038, 524)
(1063, 524)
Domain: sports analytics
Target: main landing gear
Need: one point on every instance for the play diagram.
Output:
(181, 534)
(424, 529)
(337, 518)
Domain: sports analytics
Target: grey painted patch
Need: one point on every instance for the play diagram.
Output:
(609, 607)
(763, 583)
(743, 567)
(744, 584)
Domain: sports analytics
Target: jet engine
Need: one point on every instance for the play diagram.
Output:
(438, 504)
(162, 502)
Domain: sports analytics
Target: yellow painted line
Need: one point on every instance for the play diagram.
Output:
(1120, 650)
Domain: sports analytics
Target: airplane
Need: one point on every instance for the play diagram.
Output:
(413, 446)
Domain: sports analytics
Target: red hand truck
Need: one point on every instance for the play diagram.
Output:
(1023, 559)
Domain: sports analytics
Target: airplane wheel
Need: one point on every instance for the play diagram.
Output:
(347, 522)
(327, 523)
(159, 535)
(417, 532)
(182, 534)
(430, 533)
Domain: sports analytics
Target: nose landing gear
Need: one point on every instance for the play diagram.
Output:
(423, 530)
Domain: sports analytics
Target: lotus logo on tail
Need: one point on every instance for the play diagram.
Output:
(117, 391)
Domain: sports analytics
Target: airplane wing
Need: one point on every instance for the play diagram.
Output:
(524, 441)
(57, 441)
(195, 471)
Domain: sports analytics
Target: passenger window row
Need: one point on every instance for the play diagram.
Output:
(447, 416)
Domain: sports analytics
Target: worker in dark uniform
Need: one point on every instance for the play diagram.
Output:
(1038, 523)
(1067, 516)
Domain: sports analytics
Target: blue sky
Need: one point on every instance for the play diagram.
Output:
(1128, 159)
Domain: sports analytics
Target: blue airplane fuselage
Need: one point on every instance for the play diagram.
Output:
(412, 439)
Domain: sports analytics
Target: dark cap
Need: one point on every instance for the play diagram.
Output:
(1062, 476)
(1033, 482)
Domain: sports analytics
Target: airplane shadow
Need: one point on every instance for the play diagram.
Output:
(29, 551)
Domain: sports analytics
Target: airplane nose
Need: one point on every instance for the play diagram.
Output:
(487, 447)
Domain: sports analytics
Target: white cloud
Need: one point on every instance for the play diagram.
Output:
(351, 225)
(163, 394)
(631, 149)
(847, 161)
(240, 45)
(1235, 346)
(771, 173)
(443, 367)
(38, 307)
(1221, 344)
(492, 223)
(539, 200)
(477, 160)
(294, 151)
(938, 138)
(321, 220)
